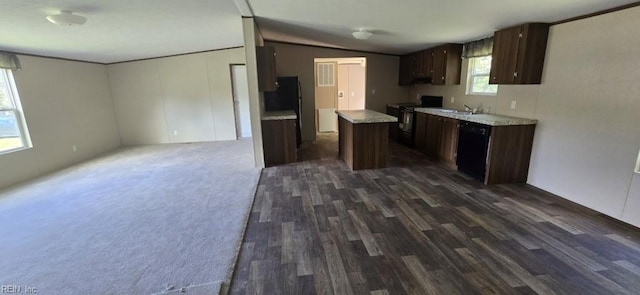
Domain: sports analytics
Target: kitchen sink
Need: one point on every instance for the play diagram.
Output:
(456, 112)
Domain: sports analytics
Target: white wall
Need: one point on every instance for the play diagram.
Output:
(65, 103)
(589, 104)
(526, 97)
(252, 39)
(186, 98)
(588, 108)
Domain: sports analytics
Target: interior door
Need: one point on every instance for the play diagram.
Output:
(357, 87)
(343, 87)
(241, 100)
(351, 86)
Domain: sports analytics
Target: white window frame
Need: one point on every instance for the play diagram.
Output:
(472, 74)
(16, 109)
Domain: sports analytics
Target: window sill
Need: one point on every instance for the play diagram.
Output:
(482, 94)
(6, 152)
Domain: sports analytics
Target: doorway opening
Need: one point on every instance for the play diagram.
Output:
(340, 84)
(240, 90)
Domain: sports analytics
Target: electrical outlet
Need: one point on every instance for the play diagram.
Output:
(373, 91)
(453, 99)
(74, 148)
(513, 104)
(175, 132)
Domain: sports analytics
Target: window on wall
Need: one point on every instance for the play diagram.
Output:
(13, 135)
(478, 77)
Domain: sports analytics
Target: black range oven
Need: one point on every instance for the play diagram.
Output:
(406, 118)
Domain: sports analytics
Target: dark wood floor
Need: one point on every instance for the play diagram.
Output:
(418, 227)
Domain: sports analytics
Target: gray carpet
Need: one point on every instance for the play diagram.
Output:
(143, 220)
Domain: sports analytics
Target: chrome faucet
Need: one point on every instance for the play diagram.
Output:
(469, 109)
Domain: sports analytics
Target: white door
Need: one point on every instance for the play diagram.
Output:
(351, 86)
(241, 100)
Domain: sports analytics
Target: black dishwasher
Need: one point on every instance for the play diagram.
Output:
(473, 142)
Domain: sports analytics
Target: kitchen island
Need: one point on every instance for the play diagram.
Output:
(364, 138)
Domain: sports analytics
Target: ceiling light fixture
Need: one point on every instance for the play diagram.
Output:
(66, 18)
(361, 34)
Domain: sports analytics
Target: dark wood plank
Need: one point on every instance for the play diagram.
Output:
(418, 227)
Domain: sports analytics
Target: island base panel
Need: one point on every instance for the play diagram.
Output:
(363, 146)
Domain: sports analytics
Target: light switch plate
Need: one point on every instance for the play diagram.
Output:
(513, 104)
(453, 99)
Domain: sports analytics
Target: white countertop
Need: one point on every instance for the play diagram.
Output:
(487, 119)
(279, 115)
(366, 116)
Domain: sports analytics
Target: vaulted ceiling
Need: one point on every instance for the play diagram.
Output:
(118, 31)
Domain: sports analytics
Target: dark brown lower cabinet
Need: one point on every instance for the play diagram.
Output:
(433, 134)
(279, 142)
(420, 132)
(507, 157)
(509, 154)
(393, 128)
(437, 137)
(449, 141)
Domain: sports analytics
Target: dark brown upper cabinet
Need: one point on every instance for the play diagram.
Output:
(416, 65)
(427, 64)
(446, 64)
(266, 62)
(439, 66)
(518, 54)
(405, 78)
(413, 67)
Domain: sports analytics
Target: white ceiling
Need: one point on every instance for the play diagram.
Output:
(407, 25)
(119, 30)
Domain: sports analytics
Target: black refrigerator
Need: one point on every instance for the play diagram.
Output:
(287, 97)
